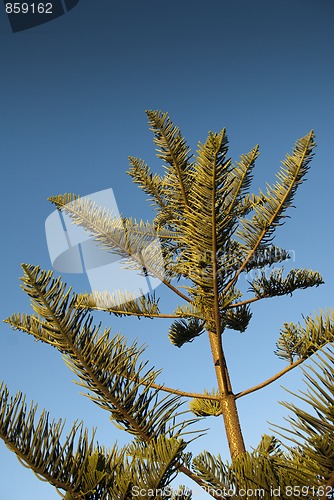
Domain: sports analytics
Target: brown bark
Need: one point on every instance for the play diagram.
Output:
(227, 398)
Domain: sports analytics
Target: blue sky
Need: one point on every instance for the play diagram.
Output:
(73, 95)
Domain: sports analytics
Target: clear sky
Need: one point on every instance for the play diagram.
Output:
(73, 95)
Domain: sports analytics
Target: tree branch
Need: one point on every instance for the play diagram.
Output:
(110, 398)
(172, 153)
(129, 313)
(181, 393)
(274, 216)
(244, 302)
(29, 463)
(176, 290)
(270, 380)
(201, 483)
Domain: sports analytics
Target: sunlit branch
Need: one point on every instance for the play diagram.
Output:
(270, 222)
(130, 313)
(244, 302)
(179, 392)
(85, 364)
(270, 380)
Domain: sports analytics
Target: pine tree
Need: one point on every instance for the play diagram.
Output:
(212, 232)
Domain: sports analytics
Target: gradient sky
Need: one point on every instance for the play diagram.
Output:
(73, 95)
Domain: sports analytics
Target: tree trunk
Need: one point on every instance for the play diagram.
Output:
(227, 402)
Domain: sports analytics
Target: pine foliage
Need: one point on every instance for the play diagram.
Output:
(300, 342)
(278, 198)
(206, 407)
(109, 369)
(183, 330)
(266, 472)
(120, 304)
(277, 285)
(312, 430)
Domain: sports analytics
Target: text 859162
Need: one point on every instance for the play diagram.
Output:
(28, 8)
